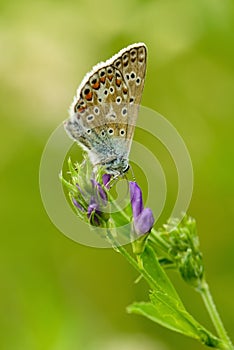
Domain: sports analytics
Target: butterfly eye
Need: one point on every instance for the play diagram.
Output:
(88, 131)
(122, 132)
(131, 100)
(103, 133)
(112, 90)
(133, 75)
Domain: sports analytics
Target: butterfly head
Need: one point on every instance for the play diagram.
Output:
(117, 166)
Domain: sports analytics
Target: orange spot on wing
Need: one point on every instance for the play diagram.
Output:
(118, 82)
(89, 96)
(81, 109)
(96, 85)
(103, 79)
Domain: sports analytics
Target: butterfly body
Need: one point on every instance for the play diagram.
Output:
(104, 111)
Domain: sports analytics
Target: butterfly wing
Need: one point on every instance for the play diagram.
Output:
(103, 114)
(132, 64)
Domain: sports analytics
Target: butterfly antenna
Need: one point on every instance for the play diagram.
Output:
(113, 181)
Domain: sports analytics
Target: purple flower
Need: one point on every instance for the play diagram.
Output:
(106, 180)
(93, 211)
(99, 191)
(143, 219)
(136, 199)
(77, 205)
(97, 201)
(91, 200)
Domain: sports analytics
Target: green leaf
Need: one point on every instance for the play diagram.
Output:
(157, 274)
(67, 184)
(71, 168)
(176, 320)
(165, 315)
(165, 306)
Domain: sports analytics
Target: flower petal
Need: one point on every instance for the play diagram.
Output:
(76, 204)
(100, 191)
(93, 207)
(136, 199)
(144, 222)
(106, 180)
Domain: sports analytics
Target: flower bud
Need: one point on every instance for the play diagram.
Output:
(143, 219)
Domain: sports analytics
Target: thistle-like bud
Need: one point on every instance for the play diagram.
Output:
(88, 196)
(182, 241)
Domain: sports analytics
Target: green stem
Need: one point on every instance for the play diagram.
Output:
(136, 264)
(204, 289)
(222, 345)
(156, 238)
(120, 210)
(214, 315)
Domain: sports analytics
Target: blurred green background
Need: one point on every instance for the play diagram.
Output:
(56, 294)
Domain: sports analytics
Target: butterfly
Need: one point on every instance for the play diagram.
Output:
(104, 111)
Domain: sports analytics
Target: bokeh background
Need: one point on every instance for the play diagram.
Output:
(54, 293)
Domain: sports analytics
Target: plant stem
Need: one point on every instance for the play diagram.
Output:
(157, 239)
(132, 261)
(214, 315)
(203, 289)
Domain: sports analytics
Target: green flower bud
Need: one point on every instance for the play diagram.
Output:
(182, 248)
